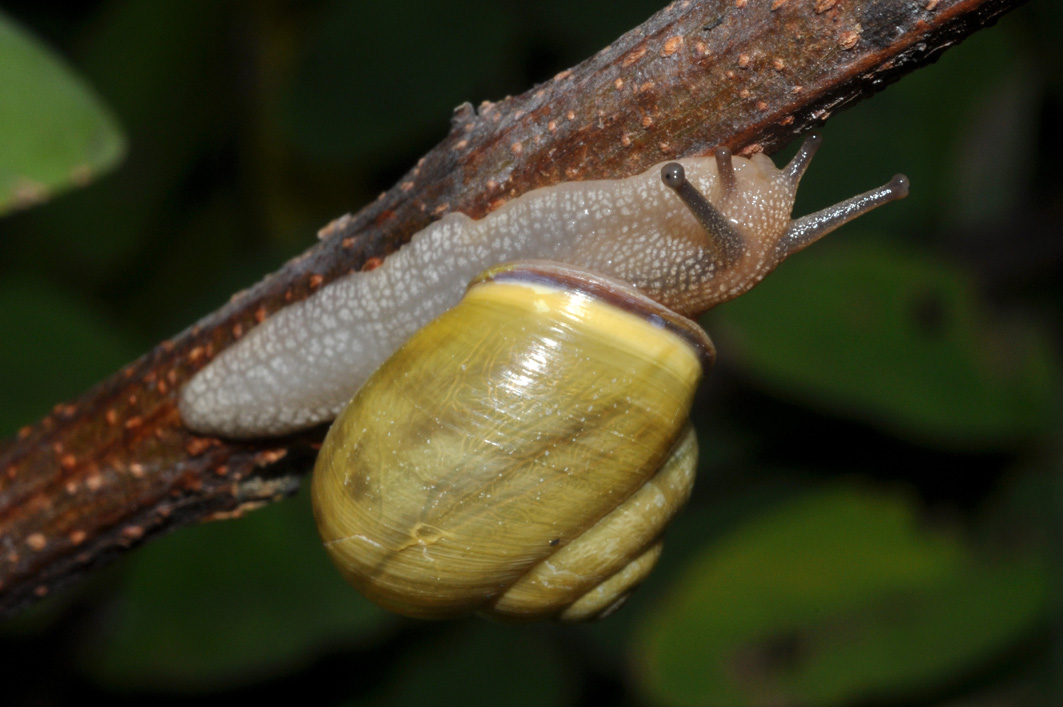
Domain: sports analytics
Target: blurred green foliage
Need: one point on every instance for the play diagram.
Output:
(877, 514)
(56, 132)
(916, 358)
(837, 594)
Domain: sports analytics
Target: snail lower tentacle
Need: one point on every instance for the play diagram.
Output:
(795, 168)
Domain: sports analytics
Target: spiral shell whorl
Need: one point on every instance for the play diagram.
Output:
(622, 547)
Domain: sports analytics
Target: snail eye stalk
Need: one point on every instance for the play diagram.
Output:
(722, 239)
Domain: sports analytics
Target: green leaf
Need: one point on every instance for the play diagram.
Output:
(230, 602)
(834, 597)
(54, 132)
(872, 331)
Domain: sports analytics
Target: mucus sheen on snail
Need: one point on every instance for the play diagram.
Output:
(300, 367)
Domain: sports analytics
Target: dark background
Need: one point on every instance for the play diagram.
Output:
(877, 513)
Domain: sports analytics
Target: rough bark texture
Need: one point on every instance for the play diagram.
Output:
(115, 467)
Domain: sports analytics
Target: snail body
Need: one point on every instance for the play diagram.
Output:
(521, 451)
(301, 365)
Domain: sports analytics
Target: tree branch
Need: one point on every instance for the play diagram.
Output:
(109, 470)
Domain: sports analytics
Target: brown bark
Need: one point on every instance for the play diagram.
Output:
(105, 472)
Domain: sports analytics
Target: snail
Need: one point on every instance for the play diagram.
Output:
(450, 483)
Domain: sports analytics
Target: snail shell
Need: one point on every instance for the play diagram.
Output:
(520, 455)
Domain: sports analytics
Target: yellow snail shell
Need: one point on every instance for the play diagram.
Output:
(520, 455)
